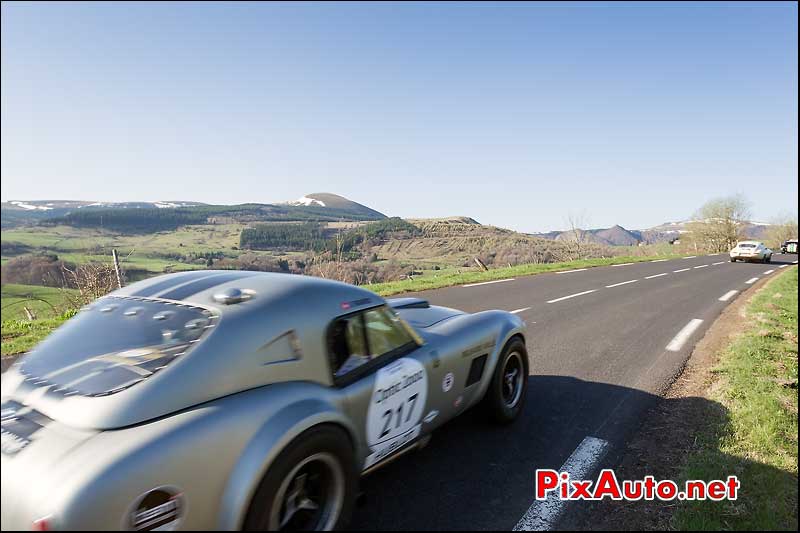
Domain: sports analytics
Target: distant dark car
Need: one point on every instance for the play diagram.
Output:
(789, 247)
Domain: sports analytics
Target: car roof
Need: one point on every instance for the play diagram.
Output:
(750, 242)
(200, 287)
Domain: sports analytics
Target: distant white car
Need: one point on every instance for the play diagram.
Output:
(751, 251)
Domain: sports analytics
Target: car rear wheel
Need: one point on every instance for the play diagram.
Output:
(733, 259)
(506, 395)
(311, 485)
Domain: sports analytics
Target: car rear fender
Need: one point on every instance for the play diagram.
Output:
(276, 433)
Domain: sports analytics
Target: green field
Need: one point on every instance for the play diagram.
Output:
(44, 302)
(51, 307)
(756, 439)
(439, 279)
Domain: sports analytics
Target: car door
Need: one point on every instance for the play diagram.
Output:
(379, 364)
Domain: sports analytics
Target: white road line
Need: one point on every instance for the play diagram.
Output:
(769, 272)
(690, 257)
(659, 260)
(682, 270)
(701, 266)
(783, 266)
(683, 335)
(657, 275)
(623, 283)
(720, 263)
(571, 296)
(727, 296)
(622, 264)
(568, 271)
(751, 281)
(515, 311)
(488, 282)
(543, 515)
(794, 262)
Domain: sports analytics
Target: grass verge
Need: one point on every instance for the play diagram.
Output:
(448, 279)
(755, 437)
(19, 336)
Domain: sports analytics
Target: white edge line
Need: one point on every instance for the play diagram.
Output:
(659, 260)
(623, 283)
(727, 296)
(568, 271)
(488, 282)
(515, 311)
(690, 257)
(682, 270)
(783, 266)
(570, 296)
(683, 335)
(769, 272)
(751, 281)
(543, 515)
(622, 264)
(657, 275)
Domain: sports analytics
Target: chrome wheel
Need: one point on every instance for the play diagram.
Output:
(513, 376)
(311, 496)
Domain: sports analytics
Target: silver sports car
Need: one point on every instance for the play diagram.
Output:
(239, 400)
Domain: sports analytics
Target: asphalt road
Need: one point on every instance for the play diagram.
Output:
(602, 346)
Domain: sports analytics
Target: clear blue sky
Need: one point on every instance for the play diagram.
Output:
(516, 115)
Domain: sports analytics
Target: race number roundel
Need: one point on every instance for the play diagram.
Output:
(398, 400)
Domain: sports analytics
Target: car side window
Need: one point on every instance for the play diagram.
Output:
(360, 338)
(385, 333)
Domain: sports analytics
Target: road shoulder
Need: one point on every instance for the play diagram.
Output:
(673, 429)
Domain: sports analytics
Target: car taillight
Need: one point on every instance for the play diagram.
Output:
(42, 524)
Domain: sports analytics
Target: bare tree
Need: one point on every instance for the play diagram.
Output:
(719, 223)
(578, 237)
(783, 228)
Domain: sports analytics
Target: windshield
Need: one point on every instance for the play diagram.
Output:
(115, 343)
(747, 246)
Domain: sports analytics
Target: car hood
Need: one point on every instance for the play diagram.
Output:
(425, 317)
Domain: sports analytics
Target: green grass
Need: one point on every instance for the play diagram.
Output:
(51, 306)
(756, 437)
(44, 302)
(436, 280)
(21, 335)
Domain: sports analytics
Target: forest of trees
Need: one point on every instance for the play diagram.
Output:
(312, 236)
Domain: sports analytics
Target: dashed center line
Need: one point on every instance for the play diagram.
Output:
(523, 309)
(751, 281)
(769, 272)
(719, 263)
(568, 271)
(543, 515)
(701, 266)
(683, 335)
(727, 296)
(488, 282)
(623, 283)
(657, 275)
(571, 296)
(682, 270)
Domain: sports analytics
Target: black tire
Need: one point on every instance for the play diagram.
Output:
(323, 455)
(503, 401)
(733, 260)
(769, 259)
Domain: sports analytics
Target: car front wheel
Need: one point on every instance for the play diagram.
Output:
(311, 485)
(506, 395)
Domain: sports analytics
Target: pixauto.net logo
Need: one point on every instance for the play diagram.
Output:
(550, 483)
